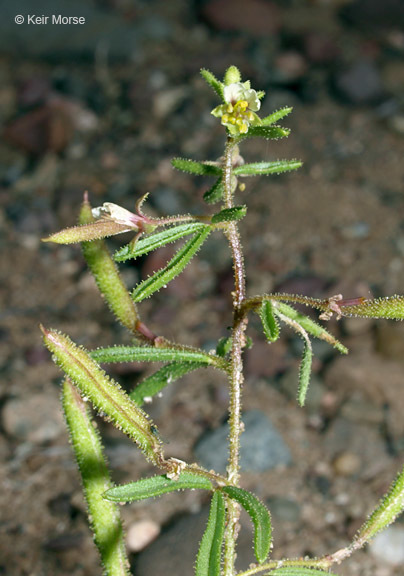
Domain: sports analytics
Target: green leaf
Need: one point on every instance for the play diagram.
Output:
(104, 516)
(107, 276)
(153, 384)
(275, 116)
(266, 168)
(267, 132)
(229, 214)
(214, 194)
(310, 326)
(213, 82)
(298, 571)
(152, 354)
(156, 486)
(154, 241)
(174, 267)
(260, 517)
(389, 508)
(105, 394)
(194, 167)
(304, 373)
(269, 322)
(232, 76)
(390, 307)
(209, 554)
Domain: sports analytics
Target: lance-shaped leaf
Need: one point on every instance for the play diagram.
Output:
(230, 214)
(276, 116)
(156, 486)
(298, 571)
(216, 193)
(390, 307)
(173, 268)
(154, 241)
(389, 508)
(154, 354)
(269, 321)
(260, 517)
(195, 167)
(104, 516)
(107, 276)
(209, 553)
(95, 230)
(267, 168)
(310, 326)
(213, 82)
(156, 382)
(305, 372)
(105, 394)
(267, 132)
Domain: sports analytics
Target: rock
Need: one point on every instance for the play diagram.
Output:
(359, 84)
(346, 464)
(141, 534)
(388, 546)
(259, 18)
(262, 447)
(290, 67)
(36, 418)
(284, 509)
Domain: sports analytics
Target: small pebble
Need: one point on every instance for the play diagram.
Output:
(346, 464)
(388, 546)
(141, 534)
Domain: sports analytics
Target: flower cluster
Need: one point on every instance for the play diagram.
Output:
(238, 112)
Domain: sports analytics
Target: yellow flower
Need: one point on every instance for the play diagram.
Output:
(238, 113)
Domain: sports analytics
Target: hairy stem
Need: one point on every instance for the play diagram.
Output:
(236, 363)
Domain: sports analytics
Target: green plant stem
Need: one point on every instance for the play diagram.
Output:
(236, 362)
(319, 563)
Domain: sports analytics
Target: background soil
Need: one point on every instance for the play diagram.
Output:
(104, 108)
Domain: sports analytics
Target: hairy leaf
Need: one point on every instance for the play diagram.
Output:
(267, 132)
(195, 167)
(260, 517)
(154, 241)
(230, 214)
(213, 82)
(214, 194)
(311, 327)
(389, 508)
(104, 517)
(275, 116)
(152, 354)
(209, 554)
(174, 267)
(298, 571)
(269, 321)
(304, 373)
(232, 75)
(153, 384)
(266, 168)
(156, 486)
(390, 307)
(105, 394)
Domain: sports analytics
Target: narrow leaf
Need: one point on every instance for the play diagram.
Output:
(214, 194)
(260, 517)
(266, 168)
(213, 82)
(153, 384)
(269, 321)
(267, 132)
(95, 230)
(230, 214)
(154, 241)
(276, 116)
(209, 554)
(298, 571)
(174, 267)
(310, 326)
(194, 167)
(389, 508)
(107, 276)
(304, 373)
(105, 394)
(152, 354)
(104, 516)
(156, 486)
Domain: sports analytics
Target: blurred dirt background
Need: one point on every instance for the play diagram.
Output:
(103, 107)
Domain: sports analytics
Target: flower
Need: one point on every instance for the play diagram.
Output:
(238, 113)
